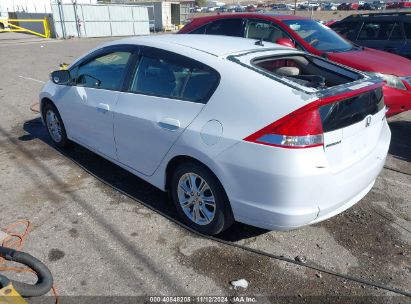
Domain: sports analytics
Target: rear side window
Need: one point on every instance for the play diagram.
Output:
(226, 27)
(341, 114)
(200, 30)
(380, 31)
(174, 77)
(396, 33)
(259, 29)
(347, 30)
(407, 30)
(103, 72)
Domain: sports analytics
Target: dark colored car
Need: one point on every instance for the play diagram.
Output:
(312, 37)
(280, 7)
(390, 32)
(348, 6)
(372, 6)
(392, 5)
(250, 8)
(366, 7)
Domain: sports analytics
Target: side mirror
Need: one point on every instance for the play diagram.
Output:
(60, 77)
(285, 42)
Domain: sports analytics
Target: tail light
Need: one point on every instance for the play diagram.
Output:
(303, 128)
(300, 129)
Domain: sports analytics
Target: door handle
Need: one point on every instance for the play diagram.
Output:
(103, 106)
(169, 124)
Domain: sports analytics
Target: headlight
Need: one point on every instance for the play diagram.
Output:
(391, 81)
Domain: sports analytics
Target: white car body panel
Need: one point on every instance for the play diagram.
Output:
(149, 125)
(89, 121)
(268, 187)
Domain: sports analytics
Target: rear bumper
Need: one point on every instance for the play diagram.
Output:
(397, 101)
(282, 189)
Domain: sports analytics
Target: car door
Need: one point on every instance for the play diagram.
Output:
(166, 92)
(382, 35)
(88, 104)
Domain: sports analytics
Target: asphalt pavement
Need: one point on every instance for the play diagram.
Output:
(97, 242)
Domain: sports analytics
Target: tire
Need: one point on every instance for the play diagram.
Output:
(201, 213)
(55, 126)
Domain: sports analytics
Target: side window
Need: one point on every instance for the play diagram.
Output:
(396, 33)
(257, 29)
(347, 30)
(407, 30)
(380, 31)
(104, 72)
(200, 30)
(226, 27)
(178, 79)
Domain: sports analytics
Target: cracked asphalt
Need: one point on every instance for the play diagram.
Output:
(99, 243)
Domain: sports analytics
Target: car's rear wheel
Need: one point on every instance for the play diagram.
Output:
(200, 199)
(55, 126)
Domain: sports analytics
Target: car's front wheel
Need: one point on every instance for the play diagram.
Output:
(200, 199)
(55, 126)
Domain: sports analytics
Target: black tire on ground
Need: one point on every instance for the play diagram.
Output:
(223, 215)
(1, 26)
(63, 141)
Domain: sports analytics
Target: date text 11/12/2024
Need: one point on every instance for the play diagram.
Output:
(202, 299)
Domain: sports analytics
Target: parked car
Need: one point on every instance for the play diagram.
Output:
(183, 113)
(372, 6)
(328, 7)
(346, 6)
(250, 8)
(281, 7)
(378, 5)
(404, 4)
(310, 36)
(390, 32)
(367, 6)
(392, 5)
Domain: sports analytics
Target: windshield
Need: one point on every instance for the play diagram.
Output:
(319, 36)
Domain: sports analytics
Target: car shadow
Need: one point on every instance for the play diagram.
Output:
(117, 177)
(400, 146)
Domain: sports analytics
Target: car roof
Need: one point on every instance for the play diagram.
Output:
(250, 15)
(210, 44)
(379, 16)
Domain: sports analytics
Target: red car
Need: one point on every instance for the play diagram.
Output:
(310, 36)
(405, 4)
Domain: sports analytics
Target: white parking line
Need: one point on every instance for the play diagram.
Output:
(7, 43)
(29, 78)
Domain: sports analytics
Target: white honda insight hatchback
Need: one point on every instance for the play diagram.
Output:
(234, 129)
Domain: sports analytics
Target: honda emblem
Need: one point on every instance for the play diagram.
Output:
(368, 121)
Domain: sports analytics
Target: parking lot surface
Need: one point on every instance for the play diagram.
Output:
(98, 242)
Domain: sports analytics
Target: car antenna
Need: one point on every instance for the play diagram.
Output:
(259, 42)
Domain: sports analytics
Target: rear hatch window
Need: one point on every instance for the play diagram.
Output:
(352, 128)
(306, 70)
(352, 110)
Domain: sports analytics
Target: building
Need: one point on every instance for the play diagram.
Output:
(35, 6)
(164, 15)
